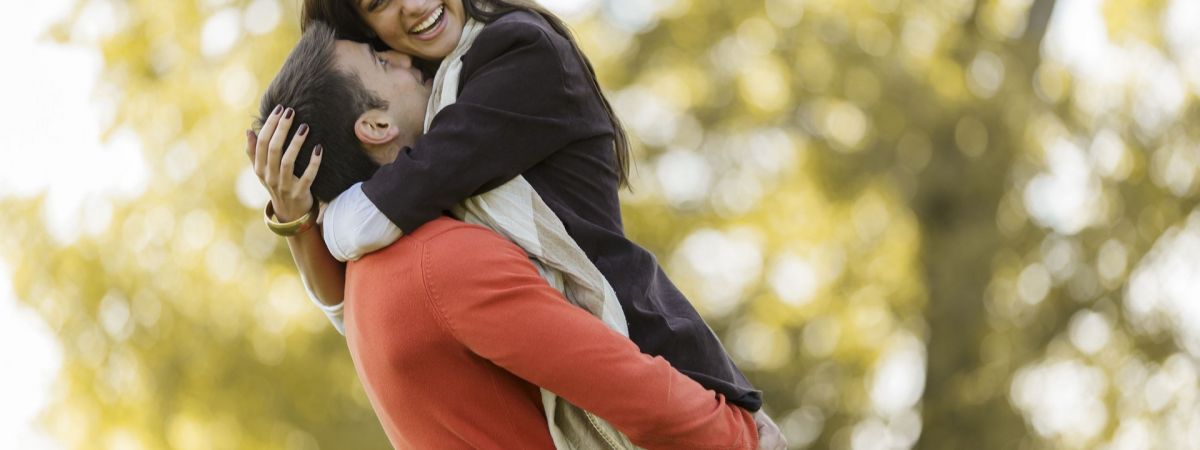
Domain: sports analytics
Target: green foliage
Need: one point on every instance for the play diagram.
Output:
(840, 186)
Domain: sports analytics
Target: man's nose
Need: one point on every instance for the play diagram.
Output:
(399, 59)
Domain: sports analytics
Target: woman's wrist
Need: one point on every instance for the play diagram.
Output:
(285, 212)
(290, 228)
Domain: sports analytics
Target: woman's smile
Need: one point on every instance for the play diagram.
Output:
(431, 26)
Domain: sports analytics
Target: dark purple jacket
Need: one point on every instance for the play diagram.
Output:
(526, 107)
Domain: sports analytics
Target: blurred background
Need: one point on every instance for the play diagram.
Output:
(941, 224)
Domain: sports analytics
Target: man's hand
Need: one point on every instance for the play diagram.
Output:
(769, 436)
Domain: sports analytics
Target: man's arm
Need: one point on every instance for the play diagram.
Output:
(493, 301)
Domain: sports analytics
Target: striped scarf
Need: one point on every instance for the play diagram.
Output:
(517, 212)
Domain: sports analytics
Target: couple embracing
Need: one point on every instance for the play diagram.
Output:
(449, 195)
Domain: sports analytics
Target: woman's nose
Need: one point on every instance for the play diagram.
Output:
(413, 7)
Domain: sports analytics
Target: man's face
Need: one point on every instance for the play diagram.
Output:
(392, 77)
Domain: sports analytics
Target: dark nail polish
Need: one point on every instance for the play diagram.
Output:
(288, 114)
(278, 108)
(318, 150)
(303, 130)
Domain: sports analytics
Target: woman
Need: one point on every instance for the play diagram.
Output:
(529, 105)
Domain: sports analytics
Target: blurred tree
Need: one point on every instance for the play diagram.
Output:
(914, 223)
(183, 322)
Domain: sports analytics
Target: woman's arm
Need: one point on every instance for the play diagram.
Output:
(523, 97)
(492, 300)
(324, 276)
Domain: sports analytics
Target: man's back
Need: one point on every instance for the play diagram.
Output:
(421, 381)
(450, 329)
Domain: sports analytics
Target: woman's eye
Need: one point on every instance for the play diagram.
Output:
(375, 5)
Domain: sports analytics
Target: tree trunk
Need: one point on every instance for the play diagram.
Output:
(956, 201)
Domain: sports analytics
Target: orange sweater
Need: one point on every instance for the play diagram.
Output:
(452, 331)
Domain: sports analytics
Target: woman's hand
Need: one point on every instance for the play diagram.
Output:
(291, 195)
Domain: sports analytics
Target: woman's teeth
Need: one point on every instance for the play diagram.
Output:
(430, 22)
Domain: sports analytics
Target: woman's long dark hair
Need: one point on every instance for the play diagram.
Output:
(341, 14)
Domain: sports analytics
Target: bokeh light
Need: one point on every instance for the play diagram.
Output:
(933, 224)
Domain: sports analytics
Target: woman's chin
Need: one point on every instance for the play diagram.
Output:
(444, 44)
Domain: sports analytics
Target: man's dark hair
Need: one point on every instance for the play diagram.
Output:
(329, 100)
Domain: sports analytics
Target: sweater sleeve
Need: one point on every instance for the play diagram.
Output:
(492, 300)
(516, 107)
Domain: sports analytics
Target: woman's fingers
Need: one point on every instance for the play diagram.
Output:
(264, 138)
(310, 172)
(275, 148)
(288, 162)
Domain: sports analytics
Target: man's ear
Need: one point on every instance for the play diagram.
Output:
(374, 127)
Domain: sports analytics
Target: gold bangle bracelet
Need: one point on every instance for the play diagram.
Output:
(287, 229)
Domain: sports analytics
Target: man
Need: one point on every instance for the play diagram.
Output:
(451, 328)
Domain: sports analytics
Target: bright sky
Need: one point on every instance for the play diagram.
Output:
(47, 119)
(32, 359)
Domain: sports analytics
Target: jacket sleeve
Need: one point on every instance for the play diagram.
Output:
(516, 107)
(492, 299)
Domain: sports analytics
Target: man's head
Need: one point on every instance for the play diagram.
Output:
(361, 106)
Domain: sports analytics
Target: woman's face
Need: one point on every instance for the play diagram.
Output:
(426, 29)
